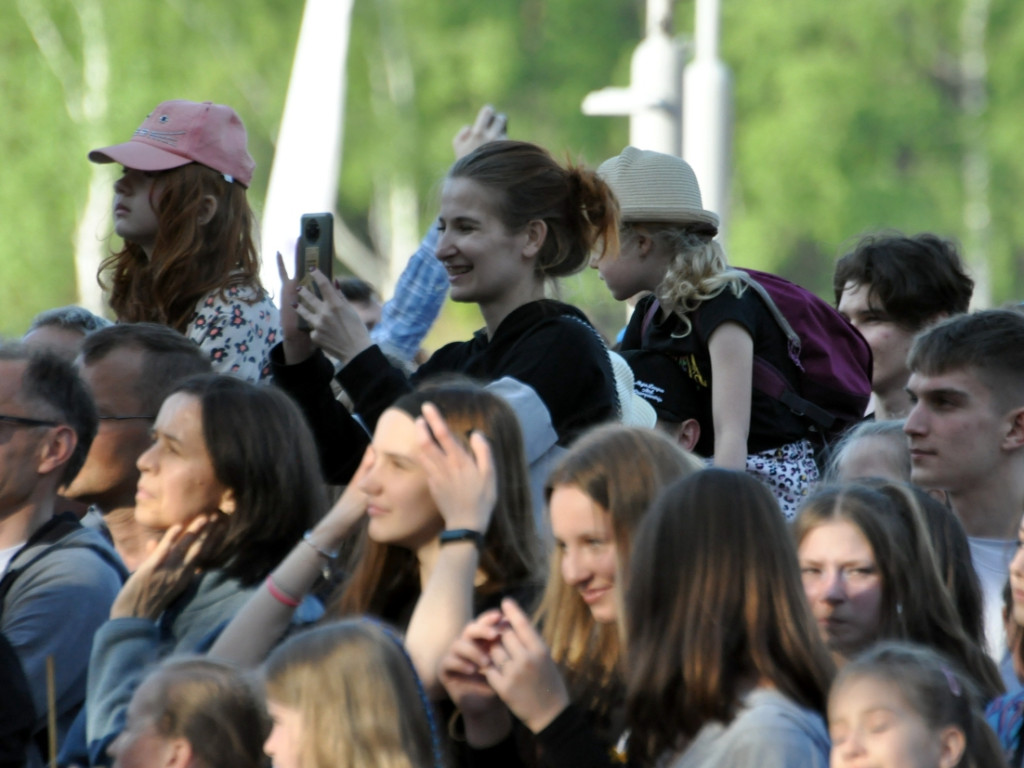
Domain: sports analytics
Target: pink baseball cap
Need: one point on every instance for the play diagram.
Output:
(177, 133)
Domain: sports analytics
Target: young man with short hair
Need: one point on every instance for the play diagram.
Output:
(966, 432)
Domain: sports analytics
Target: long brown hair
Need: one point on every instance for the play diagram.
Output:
(621, 469)
(714, 605)
(189, 259)
(383, 577)
(906, 561)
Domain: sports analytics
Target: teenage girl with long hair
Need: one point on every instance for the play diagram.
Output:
(724, 663)
(564, 681)
(438, 523)
(189, 257)
(866, 561)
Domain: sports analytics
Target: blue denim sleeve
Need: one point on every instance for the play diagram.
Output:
(419, 294)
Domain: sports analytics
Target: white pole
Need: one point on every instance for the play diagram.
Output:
(307, 157)
(707, 113)
(654, 98)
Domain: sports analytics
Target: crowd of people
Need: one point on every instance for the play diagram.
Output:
(228, 536)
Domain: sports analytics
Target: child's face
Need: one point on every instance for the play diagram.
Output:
(283, 745)
(871, 724)
(135, 194)
(634, 269)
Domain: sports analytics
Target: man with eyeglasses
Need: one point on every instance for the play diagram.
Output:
(58, 578)
(129, 369)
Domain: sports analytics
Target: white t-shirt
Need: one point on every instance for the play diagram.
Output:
(6, 555)
(991, 559)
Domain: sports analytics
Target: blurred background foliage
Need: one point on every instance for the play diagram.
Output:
(849, 117)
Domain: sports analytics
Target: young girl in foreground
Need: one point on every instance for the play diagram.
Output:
(725, 668)
(345, 695)
(564, 682)
(189, 258)
(904, 706)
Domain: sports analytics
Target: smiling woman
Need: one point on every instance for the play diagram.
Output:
(512, 220)
(565, 685)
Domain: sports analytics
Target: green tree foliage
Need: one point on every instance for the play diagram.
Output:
(849, 117)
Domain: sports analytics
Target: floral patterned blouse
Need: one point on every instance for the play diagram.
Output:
(237, 330)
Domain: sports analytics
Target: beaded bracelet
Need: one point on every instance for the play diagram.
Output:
(280, 595)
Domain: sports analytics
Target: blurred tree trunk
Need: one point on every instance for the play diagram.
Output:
(84, 84)
(976, 161)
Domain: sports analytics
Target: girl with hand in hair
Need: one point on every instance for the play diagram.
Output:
(437, 523)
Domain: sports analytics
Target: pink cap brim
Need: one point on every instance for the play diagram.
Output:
(141, 157)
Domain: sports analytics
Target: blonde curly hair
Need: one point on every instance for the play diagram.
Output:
(697, 267)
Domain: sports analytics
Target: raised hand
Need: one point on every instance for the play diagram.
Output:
(522, 672)
(489, 126)
(297, 344)
(335, 326)
(463, 483)
(168, 569)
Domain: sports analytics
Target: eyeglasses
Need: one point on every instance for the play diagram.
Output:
(22, 421)
(126, 418)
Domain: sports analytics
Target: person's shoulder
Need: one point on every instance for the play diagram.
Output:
(82, 555)
(767, 713)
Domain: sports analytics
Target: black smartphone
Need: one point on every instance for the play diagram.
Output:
(314, 251)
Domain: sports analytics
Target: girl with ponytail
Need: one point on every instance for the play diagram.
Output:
(512, 219)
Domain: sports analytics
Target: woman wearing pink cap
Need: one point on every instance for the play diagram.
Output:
(189, 259)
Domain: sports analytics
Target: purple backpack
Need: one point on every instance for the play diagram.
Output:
(833, 360)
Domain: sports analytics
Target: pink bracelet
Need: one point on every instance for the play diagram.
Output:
(279, 595)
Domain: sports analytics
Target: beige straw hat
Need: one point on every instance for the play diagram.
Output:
(654, 187)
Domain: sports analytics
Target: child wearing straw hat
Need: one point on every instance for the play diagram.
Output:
(701, 314)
